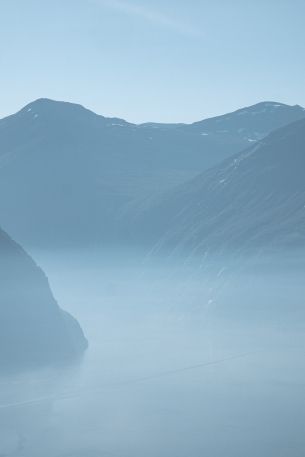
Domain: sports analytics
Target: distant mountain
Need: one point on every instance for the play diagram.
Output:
(248, 124)
(252, 123)
(34, 331)
(253, 200)
(66, 172)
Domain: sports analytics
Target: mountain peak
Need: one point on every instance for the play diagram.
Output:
(253, 122)
(48, 106)
(268, 106)
(54, 110)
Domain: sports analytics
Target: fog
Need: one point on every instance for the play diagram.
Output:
(183, 360)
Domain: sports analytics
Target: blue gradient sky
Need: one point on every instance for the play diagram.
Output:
(157, 60)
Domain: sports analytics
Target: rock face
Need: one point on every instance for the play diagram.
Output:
(34, 331)
(250, 201)
(66, 172)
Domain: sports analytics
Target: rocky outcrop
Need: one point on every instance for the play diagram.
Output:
(33, 329)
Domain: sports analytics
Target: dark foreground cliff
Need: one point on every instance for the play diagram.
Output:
(34, 330)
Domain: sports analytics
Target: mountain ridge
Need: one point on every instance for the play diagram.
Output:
(45, 101)
(254, 199)
(66, 173)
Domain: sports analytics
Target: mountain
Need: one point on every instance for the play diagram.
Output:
(253, 200)
(34, 331)
(252, 123)
(66, 172)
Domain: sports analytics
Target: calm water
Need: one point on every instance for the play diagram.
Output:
(165, 374)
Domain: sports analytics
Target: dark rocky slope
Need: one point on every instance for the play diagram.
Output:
(34, 331)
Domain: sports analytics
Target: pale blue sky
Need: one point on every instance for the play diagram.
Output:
(157, 60)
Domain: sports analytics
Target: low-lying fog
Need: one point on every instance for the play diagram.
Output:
(177, 366)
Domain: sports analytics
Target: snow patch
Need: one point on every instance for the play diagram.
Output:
(221, 271)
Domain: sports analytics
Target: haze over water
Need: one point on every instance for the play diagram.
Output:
(168, 370)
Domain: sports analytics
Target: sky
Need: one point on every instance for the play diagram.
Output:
(152, 60)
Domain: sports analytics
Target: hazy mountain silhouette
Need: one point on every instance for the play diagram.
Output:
(33, 329)
(253, 122)
(66, 173)
(255, 199)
